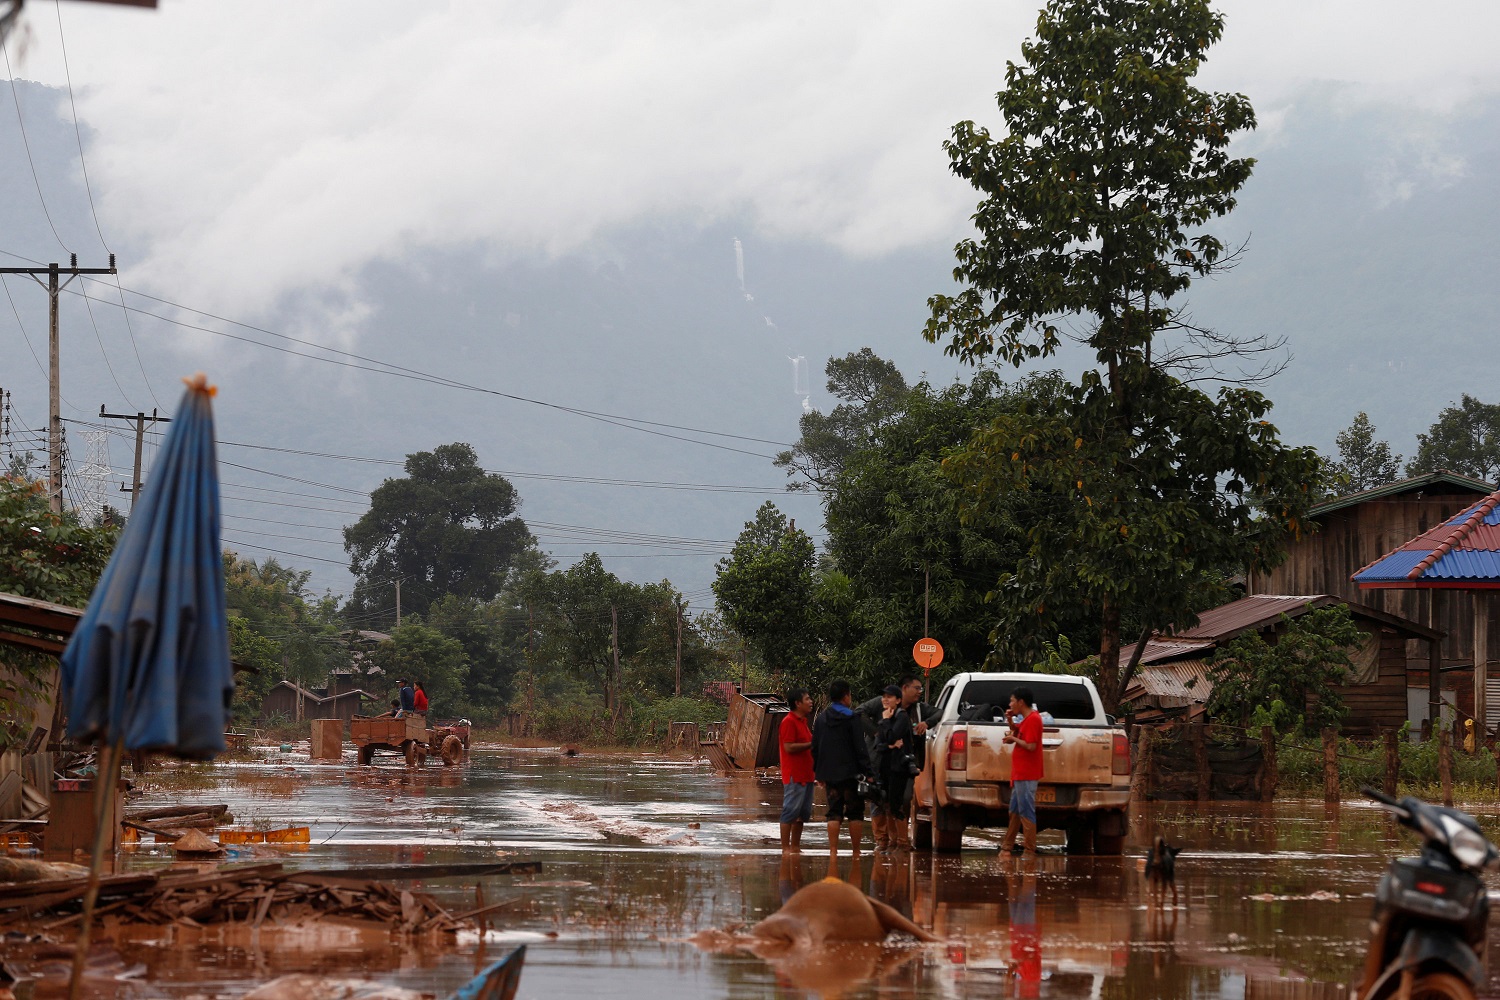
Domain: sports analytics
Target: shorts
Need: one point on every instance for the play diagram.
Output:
(797, 801)
(1023, 800)
(845, 802)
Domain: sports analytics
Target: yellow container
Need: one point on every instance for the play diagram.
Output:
(291, 835)
(241, 837)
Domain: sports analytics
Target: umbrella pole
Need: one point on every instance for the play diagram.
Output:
(107, 776)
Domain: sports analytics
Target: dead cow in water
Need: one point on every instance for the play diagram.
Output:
(1161, 869)
(826, 911)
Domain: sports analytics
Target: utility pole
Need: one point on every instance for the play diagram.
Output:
(398, 602)
(926, 594)
(54, 373)
(677, 689)
(613, 694)
(140, 438)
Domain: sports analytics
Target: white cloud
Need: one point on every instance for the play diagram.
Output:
(257, 150)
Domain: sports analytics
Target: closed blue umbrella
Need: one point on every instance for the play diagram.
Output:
(148, 665)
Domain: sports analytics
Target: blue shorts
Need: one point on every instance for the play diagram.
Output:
(797, 801)
(1023, 800)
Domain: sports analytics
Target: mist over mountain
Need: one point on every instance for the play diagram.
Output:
(1370, 250)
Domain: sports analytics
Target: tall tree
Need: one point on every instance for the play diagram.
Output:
(765, 589)
(1092, 221)
(1465, 439)
(579, 611)
(873, 393)
(446, 528)
(1363, 463)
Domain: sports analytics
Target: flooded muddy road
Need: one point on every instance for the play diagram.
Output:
(641, 852)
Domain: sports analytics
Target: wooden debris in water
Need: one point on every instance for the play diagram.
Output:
(253, 895)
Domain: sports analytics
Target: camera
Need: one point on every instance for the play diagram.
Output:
(912, 767)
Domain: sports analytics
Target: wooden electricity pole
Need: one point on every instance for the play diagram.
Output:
(54, 366)
(677, 688)
(139, 419)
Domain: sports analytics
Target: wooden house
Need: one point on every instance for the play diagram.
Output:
(289, 700)
(1354, 531)
(1173, 677)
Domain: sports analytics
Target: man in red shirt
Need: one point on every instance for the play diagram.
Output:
(1025, 738)
(795, 738)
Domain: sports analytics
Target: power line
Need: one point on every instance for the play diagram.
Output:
(25, 142)
(88, 189)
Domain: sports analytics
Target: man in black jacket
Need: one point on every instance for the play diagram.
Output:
(840, 757)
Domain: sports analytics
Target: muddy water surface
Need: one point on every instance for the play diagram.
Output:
(640, 853)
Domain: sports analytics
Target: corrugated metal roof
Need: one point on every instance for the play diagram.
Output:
(1168, 647)
(1249, 612)
(1429, 483)
(1465, 549)
(1184, 680)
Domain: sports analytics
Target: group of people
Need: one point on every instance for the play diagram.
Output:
(410, 698)
(872, 753)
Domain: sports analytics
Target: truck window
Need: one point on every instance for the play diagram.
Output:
(1063, 701)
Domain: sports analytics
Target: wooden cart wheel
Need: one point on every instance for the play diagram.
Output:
(452, 750)
(413, 757)
(366, 753)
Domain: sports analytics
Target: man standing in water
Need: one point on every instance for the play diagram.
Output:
(1025, 738)
(840, 758)
(797, 781)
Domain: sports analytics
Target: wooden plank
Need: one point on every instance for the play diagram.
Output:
(398, 873)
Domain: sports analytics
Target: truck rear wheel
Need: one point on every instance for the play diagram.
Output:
(921, 832)
(947, 830)
(1109, 833)
(1080, 836)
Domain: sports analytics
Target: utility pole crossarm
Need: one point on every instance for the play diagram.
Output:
(140, 438)
(54, 364)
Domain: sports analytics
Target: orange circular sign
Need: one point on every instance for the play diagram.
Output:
(928, 653)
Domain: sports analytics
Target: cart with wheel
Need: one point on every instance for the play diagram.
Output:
(407, 736)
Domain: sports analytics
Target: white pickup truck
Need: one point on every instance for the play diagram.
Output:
(1085, 786)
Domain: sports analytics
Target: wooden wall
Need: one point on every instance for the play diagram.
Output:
(1381, 705)
(1352, 538)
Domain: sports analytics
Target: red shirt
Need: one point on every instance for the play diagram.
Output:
(795, 767)
(1026, 765)
(419, 701)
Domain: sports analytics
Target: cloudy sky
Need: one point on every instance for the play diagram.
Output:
(262, 160)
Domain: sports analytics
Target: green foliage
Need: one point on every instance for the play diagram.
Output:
(421, 653)
(1094, 203)
(46, 556)
(873, 393)
(493, 655)
(1058, 658)
(1465, 439)
(446, 528)
(1363, 463)
(249, 648)
(1282, 683)
(766, 589)
(273, 602)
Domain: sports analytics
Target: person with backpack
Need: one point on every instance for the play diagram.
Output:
(840, 759)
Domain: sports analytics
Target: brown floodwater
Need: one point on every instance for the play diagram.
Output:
(641, 852)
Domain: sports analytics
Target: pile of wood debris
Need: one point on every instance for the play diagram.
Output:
(251, 895)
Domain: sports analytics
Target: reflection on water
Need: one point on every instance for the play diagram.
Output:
(641, 852)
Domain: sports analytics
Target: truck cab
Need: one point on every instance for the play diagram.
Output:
(1085, 786)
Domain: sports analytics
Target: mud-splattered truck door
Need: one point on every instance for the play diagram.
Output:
(1085, 788)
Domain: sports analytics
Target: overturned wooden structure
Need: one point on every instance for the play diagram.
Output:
(749, 739)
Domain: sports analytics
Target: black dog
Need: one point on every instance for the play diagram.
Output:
(1161, 869)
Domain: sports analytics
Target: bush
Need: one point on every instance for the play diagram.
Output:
(1299, 767)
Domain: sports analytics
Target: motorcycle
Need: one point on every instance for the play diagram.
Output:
(1431, 912)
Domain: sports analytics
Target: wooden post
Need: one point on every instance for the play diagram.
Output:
(1434, 682)
(1445, 765)
(1268, 763)
(1481, 663)
(1392, 760)
(1496, 750)
(1141, 777)
(1331, 792)
(1200, 758)
(1426, 733)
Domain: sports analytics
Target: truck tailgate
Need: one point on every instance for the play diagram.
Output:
(1069, 755)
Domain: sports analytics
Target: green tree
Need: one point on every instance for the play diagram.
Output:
(1282, 683)
(765, 589)
(446, 528)
(273, 601)
(422, 653)
(1093, 218)
(1465, 439)
(249, 648)
(493, 647)
(51, 557)
(1363, 463)
(578, 612)
(873, 393)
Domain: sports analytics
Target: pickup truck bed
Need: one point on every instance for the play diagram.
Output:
(1085, 788)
